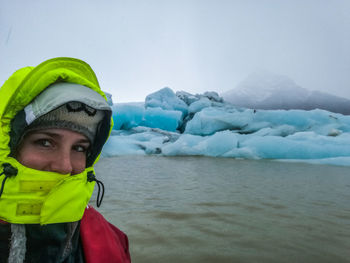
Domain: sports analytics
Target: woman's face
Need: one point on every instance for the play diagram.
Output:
(55, 150)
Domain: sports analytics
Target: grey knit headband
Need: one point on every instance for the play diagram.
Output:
(62, 105)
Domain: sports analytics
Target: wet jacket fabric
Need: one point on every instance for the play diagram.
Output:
(48, 206)
(91, 240)
(102, 241)
(51, 243)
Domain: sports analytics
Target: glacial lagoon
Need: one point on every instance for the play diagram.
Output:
(205, 209)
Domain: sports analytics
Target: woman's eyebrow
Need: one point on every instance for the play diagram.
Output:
(84, 141)
(57, 135)
(52, 134)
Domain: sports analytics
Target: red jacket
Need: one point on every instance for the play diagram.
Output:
(102, 241)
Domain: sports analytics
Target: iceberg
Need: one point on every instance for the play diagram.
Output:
(165, 99)
(172, 124)
(130, 115)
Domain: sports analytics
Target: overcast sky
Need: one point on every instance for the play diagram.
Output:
(137, 47)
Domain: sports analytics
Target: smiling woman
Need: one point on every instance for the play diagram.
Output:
(57, 150)
(54, 122)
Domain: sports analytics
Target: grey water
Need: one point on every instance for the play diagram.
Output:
(202, 209)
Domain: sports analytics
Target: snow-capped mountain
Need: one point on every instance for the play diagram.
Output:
(264, 90)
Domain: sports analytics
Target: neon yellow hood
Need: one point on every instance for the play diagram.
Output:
(32, 196)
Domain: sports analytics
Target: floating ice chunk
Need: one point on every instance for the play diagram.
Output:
(210, 120)
(121, 145)
(183, 146)
(199, 105)
(283, 130)
(163, 119)
(334, 132)
(188, 98)
(216, 145)
(302, 145)
(138, 140)
(127, 115)
(166, 100)
(213, 119)
(214, 96)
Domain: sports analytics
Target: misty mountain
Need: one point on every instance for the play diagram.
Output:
(264, 90)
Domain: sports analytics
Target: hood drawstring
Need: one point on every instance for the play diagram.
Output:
(18, 244)
(91, 177)
(9, 171)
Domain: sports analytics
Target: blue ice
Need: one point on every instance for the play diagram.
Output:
(203, 124)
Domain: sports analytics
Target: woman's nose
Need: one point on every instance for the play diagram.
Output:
(62, 163)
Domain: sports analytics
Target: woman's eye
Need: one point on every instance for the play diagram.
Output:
(43, 142)
(80, 148)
